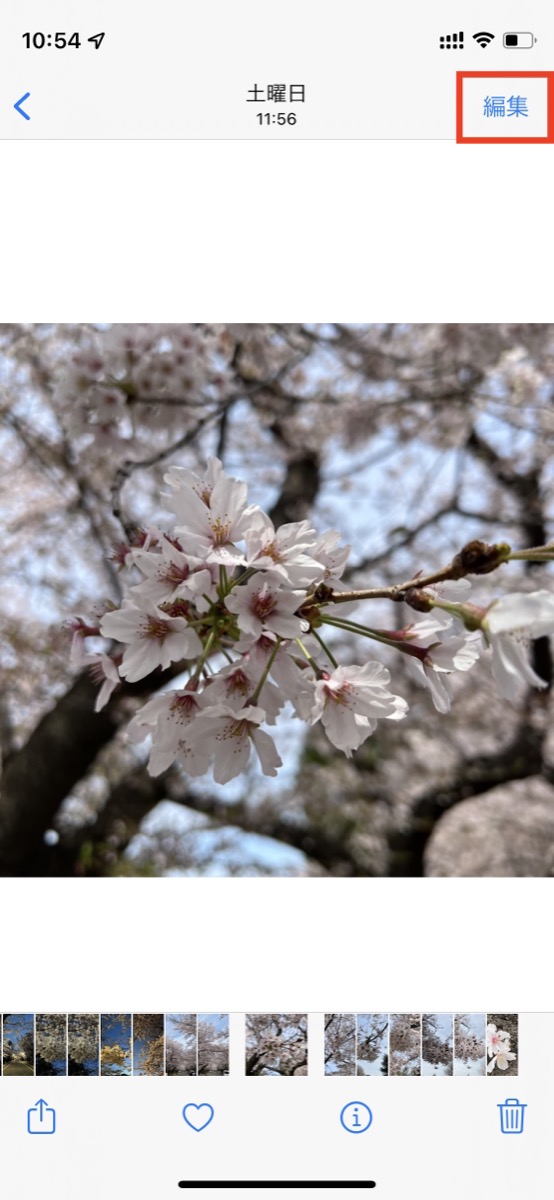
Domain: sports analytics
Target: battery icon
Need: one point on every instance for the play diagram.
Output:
(519, 41)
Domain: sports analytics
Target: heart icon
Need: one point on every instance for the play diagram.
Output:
(198, 1115)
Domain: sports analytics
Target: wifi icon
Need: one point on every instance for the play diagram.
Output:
(483, 39)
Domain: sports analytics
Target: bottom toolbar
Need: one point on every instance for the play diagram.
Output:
(361, 1112)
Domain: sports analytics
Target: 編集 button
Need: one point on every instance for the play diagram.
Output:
(505, 106)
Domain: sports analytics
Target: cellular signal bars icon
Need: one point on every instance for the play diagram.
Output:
(451, 41)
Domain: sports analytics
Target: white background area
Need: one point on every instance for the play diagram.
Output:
(228, 231)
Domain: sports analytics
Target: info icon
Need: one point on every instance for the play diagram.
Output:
(356, 1117)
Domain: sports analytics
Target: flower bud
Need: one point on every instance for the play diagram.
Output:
(478, 558)
(419, 599)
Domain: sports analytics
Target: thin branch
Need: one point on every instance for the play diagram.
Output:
(405, 540)
(475, 559)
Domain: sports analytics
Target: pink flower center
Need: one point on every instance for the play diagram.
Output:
(339, 695)
(183, 706)
(238, 683)
(174, 572)
(155, 629)
(263, 604)
(176, 608)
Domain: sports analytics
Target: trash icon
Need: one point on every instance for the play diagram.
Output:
(512, 1115)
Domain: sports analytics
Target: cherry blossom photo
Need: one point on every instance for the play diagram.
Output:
(277, 600)
(83, 1044)
(356, 1044)
(50, 1044)
(502, 1044)
(18, 1044)
(148, 1044)
(470, 1044)
(116, 1044)
(197, 1043)
(437, 1044)
(427, 1044)
(276, 1044)
(405, 1044)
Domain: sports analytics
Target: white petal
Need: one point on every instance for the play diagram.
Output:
(439, 690)
(511, 666)
(533, 611)
(267, 753)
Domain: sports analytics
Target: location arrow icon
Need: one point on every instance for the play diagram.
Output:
(18, 107)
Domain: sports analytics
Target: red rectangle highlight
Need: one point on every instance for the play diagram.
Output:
(461, 75)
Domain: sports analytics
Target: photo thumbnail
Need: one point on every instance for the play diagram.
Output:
(277, 1044)
(421, 1044)
(281, 1045)
(276, 600)
(115, 1044)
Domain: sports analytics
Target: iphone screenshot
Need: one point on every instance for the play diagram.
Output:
(276, 600)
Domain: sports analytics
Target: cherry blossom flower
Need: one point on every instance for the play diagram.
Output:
(155, 639)
(330, 555)
(498, 1048)
(441, 659)
(77, 653)
(182, 480)
(104, 672)
(236, 683)
(282, 551)
(103, 669)
(167, 718)
(501, 1060)
(350, 701)
(256, 650)
(228, 734)
(214, 518)
(296, 683)
(497, 1039)
(241, 633)
(508, 627)
(172, 574)
(294, 677)
(262, 604)
(452, 590)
